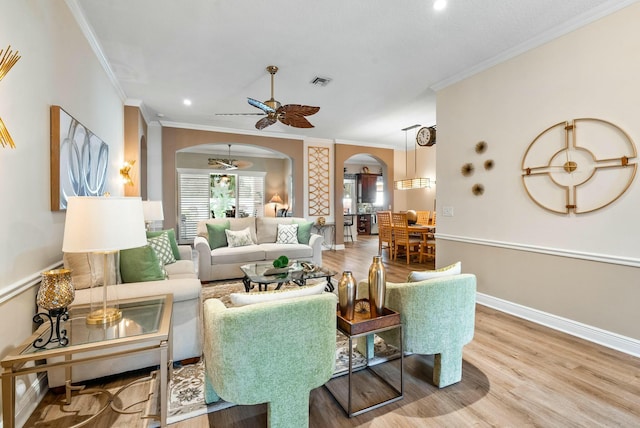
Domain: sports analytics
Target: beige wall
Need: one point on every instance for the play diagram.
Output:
(583, 268)
(175, 139)
(57, 67)
(135, 137)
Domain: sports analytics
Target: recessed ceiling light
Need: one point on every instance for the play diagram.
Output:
(186, 102)
(160, 114)
(439, 4)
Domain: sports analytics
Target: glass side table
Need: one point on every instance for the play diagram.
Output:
(145, 327)
(362, 326)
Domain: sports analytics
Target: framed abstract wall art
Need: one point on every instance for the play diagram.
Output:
(79, 160)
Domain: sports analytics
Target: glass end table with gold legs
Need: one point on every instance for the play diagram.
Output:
(145, 327)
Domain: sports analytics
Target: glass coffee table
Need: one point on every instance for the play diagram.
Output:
(258, 273)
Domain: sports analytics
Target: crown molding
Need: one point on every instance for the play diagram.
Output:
(571, 25)
(256, 133)
(87, 30)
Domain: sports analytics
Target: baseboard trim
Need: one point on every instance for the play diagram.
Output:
(592, 334)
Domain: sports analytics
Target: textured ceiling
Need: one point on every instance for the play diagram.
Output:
(385, 58)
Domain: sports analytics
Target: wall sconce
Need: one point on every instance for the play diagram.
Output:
(124, 172)
(7, 60)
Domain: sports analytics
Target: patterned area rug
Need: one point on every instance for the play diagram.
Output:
(186, 388)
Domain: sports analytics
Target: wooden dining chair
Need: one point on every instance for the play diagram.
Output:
(423, 217)
(428, 246)
(402, 238)
(385, 232)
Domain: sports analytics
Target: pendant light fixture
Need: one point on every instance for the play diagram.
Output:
(416, 182)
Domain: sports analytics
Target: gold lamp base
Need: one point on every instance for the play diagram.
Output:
(104, 316)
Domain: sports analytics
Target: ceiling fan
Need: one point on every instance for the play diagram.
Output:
(289, 114)
(229, 164)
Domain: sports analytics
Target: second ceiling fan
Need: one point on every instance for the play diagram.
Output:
(289, 114)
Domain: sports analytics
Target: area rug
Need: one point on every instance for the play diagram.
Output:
(186, 388)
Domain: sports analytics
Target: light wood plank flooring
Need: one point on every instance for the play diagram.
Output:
(515, 374)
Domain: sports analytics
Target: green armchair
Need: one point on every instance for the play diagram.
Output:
(271, 352)
(438, 318)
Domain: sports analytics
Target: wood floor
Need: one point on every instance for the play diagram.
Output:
(515, 374)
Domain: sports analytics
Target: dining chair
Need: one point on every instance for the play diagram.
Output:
(428, 246)
(385, 232)
(402, 238)
(423, 217)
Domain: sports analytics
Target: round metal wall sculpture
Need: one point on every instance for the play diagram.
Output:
(565, 171)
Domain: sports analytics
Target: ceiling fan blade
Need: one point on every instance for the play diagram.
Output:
(239, 114)
(262, 106)
(264, 122)
(226, 165)
(299, 110)
(297, 121)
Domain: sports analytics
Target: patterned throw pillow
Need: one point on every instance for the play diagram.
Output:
(162, 247)
(287, 234)
(238, 238)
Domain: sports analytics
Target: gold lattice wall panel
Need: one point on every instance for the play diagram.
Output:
(318, 162)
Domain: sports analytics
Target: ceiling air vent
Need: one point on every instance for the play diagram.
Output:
(320, 81)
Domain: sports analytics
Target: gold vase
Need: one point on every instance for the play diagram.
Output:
(347, 295)
(377, 287)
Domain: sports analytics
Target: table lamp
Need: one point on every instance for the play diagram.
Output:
(275, 200)
(103, 225)
(152, 211)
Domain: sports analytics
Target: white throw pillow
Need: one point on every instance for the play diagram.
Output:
(287, 234)
(454, 269)
(238, 238)
(243, 299)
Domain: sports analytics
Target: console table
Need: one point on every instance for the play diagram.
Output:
(145, 327)
(322, 229)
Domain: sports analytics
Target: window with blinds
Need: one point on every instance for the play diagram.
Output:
(193, 203)
(194, 199)
(250, 196)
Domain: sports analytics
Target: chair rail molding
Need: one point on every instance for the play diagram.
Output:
(604, 258)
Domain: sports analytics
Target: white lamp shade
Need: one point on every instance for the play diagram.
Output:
(101, 224)
(152, 210)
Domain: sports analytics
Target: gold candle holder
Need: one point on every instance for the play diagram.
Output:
(55, 294)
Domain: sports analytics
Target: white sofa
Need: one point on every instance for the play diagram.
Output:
(224, 262)
(185, 287)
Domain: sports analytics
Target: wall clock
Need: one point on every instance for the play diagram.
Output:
(426, 136)
(579, 166)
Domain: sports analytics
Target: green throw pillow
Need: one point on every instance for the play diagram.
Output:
(217, 237)
(304, 231)
(172, 240)
(140, 265)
